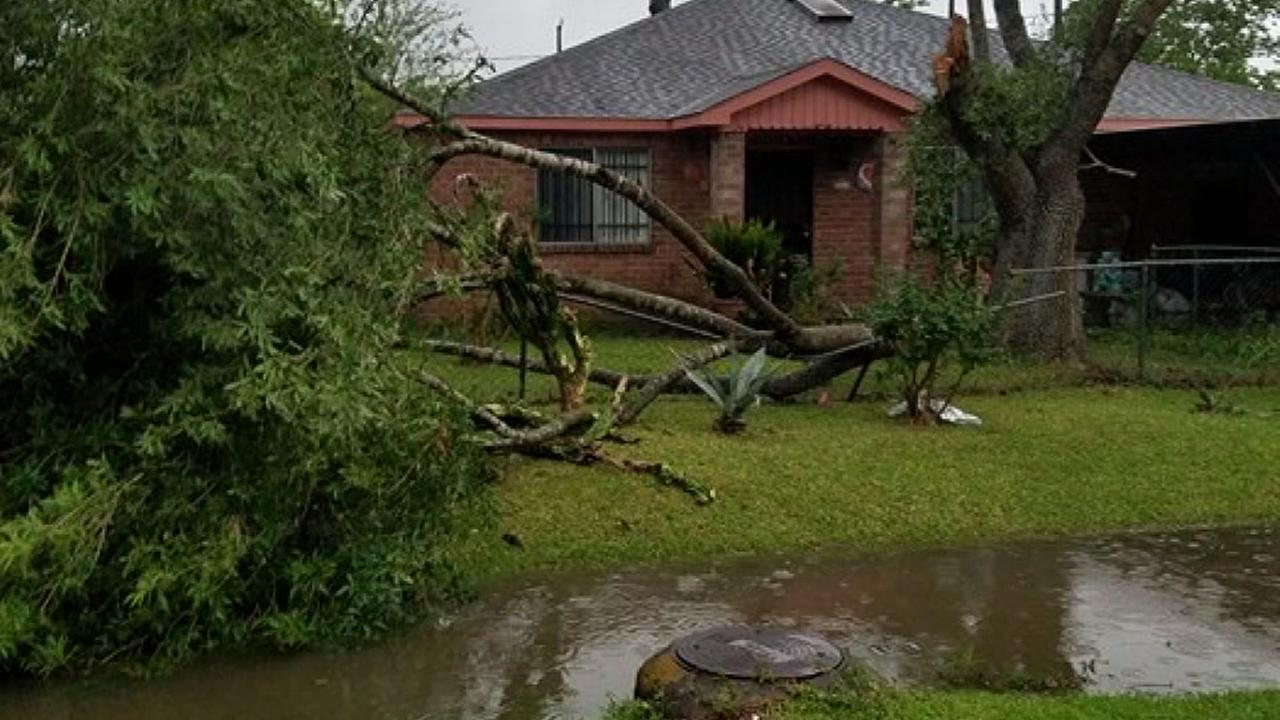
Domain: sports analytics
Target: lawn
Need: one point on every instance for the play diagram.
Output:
(1058, 455)
(1069, 458)
(986, 706)
(967, 705)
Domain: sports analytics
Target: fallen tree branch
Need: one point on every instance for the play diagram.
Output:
(511, 439)
(550, 432)
(659, 385)
(800, 339)
(665, 475)
(818, 372)
(650, 303)
(556, 439)
(495, 356)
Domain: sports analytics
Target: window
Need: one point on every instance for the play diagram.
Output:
(951, 200)
(973, 204)
(573, 210)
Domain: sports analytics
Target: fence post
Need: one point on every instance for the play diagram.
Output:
(1144, 322)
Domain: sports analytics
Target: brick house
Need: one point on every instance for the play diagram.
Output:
(790, 111)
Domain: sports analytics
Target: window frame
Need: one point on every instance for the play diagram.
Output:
(598, 197)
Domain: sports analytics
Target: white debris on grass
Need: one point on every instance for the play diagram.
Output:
(947, 414)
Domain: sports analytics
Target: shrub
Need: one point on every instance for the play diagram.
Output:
(735, 394)
(937, 331)
(809, 293)
(754, 246)
(209, 437)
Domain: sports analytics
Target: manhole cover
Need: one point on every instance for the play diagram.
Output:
(753, 653)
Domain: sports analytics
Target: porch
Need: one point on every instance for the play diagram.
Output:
(835, 196)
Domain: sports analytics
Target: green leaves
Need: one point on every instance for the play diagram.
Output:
(207, 242)
(1222, 39)
(736, 393)
(931, 325)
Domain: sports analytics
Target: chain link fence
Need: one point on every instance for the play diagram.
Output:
(1202, 315)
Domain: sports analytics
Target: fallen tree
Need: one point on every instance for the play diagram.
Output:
(778, 326)
(498, 256)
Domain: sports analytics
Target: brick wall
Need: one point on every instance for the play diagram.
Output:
(844, 230)
(861, 230)
(679, 174)
(728, 175)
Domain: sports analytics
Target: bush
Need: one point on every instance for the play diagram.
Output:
(809, 295)
(937, 331)
(209, 437)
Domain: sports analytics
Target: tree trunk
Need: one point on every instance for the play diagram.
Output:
(1049, 330)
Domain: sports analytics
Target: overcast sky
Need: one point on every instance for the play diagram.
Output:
(514, 32)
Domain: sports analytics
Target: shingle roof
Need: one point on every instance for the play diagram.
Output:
(703, 52)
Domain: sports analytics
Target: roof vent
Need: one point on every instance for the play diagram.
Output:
(827, 10)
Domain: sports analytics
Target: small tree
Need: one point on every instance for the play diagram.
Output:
(937, 331)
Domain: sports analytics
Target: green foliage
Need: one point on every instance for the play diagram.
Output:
(934, 329)
(953, 215)
(969, 705)
(962, 670)
(735, 393)
(1020, 107)
(633, 710)
(207, 240)
(754, 246)
(810, 296)
(1221, 39)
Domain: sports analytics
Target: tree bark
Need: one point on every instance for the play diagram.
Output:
(1050, 330)
(1036, 190)
(820, 371)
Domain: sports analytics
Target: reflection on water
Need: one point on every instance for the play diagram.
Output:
(1170, 612)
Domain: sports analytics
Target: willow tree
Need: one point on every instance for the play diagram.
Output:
(1025, 122)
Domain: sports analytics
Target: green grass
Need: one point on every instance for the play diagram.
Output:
(1070, 459)
(1058, 456)
(986, 706)
(970, 705)
(1248, 355)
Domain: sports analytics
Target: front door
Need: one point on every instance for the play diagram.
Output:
(780, 190)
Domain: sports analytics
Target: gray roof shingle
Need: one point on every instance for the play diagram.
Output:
(700, 53)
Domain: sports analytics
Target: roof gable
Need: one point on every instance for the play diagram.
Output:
(824, 95)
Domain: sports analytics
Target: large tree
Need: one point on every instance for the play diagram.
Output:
(1024, 115)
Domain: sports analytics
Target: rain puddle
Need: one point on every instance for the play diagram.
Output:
(1181, 612)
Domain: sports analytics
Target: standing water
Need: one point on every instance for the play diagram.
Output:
(1181, 612)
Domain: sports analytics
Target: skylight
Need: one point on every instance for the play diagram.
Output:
(827, 10)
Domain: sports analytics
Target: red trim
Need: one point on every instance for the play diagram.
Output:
(718, 116)
(565, 124)
(722, 114)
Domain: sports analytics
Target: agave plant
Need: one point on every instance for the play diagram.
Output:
(735, 393)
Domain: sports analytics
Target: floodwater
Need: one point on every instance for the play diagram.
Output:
(1181, 612)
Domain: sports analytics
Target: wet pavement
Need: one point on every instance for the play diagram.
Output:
(1181, 612)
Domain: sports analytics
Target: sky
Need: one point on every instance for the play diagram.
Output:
(514, 32)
